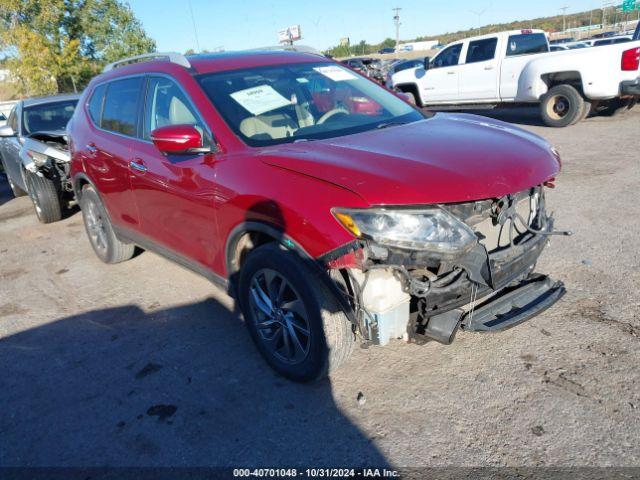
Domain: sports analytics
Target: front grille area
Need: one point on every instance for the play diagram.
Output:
(501, 222)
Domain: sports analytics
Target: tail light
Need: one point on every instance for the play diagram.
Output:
(631, 60)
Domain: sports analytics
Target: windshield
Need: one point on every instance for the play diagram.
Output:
(287, 103)
(48, 116)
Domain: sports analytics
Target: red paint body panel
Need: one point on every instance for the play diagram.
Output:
(191, 204)
(445, 159)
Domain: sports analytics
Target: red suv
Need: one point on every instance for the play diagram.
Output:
(330, 208)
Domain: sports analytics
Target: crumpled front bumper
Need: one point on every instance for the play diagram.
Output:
(514, 305)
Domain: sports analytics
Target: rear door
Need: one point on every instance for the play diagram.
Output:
(516, 53)
(479, 75)
(175, 194)
(440, 82)
(114, 108)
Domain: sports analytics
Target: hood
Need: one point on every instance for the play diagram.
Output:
(448, 158)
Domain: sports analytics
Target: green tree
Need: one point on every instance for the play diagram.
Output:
(56, 46)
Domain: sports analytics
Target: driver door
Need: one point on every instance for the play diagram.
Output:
(175, 194)
(440, 83)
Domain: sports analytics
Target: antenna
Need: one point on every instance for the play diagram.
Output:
(396, 21)
(195, 30)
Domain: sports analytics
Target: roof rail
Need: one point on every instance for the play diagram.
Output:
(290, 48)
(172, 57)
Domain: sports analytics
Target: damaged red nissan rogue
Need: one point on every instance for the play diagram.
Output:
(332, 210)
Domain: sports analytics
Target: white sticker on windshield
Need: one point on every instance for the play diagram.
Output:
(259, 100)
(335, 73)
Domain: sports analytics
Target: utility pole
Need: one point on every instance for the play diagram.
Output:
(396, 21)
(479, 13)
(564, 18)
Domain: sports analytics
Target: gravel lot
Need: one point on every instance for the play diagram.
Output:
(146, 364)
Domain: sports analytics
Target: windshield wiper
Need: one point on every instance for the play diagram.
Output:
(390, 124)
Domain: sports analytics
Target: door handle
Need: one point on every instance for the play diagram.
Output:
(451, 73)
(488, 68)
(138, 166)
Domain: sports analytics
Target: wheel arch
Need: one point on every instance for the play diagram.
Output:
(568, 77)
(79, 182)
(251, 234)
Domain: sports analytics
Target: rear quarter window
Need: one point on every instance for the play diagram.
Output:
(94, 106)
(527, 44)
(120, 112)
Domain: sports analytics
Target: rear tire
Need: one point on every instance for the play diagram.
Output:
(45, 197)
(562, 106)
(585, 113)
(299, 328)
(103, 239)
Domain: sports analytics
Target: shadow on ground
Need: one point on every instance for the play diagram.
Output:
(182, 386)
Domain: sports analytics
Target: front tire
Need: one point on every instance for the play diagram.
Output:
(297, 325)
(103, 239)
(45, 197)
(562, 106)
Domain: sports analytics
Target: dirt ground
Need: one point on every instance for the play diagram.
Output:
(147, 364)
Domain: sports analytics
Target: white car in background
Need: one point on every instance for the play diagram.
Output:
(516, 67)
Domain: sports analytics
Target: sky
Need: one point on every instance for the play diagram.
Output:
(242, 24)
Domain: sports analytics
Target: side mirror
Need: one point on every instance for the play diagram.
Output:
(427, 63)
(7, 131)
(178, 139)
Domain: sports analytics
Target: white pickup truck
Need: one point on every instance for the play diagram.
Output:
(516, 67)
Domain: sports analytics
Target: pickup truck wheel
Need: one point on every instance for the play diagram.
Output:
(411, 98)
(295, 322)
(103, 239)
(45, 197)
(562, 106)
(585, 112)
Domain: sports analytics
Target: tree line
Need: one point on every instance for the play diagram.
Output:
(56, 46)
(548, 24)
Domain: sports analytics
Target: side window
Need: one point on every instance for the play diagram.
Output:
(482, 50)
(166, 105)
(121, 106)
(2, 117)
(448, 57)
(527, 44)
(95, 103)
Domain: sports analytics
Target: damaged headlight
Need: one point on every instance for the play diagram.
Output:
(431, 229)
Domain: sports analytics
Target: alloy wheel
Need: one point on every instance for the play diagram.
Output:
(280, 317)
(96, 227)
